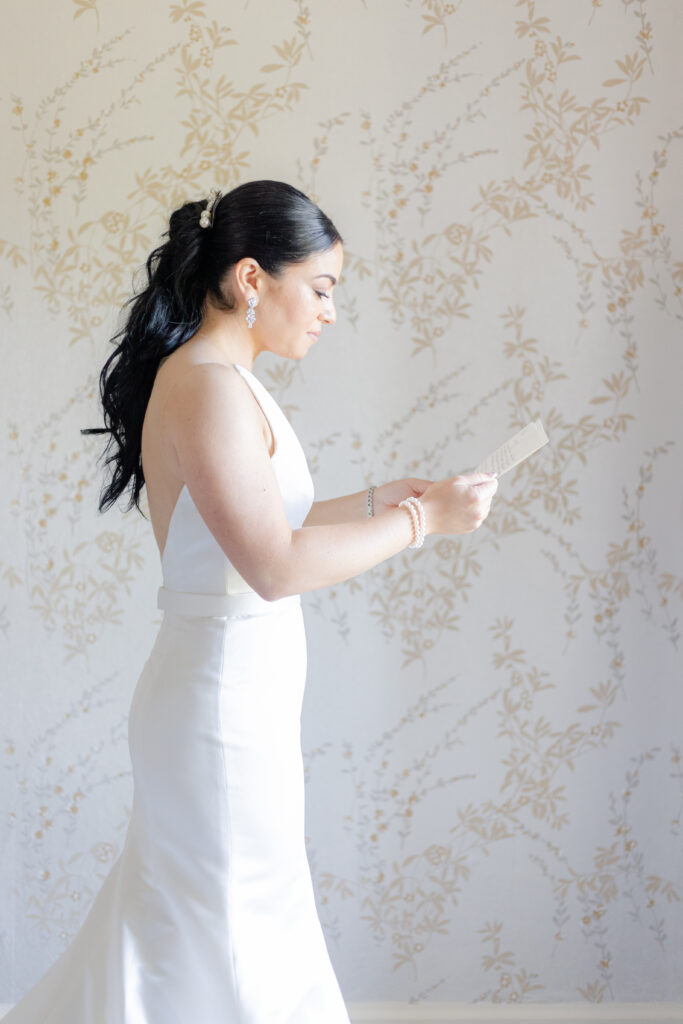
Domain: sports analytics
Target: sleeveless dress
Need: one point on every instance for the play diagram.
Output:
(208, 915)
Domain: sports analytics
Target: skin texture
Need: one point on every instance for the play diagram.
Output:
(204, 428)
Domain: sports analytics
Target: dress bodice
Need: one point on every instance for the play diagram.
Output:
(193, 562)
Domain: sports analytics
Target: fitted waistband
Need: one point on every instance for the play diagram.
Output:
(228, 605)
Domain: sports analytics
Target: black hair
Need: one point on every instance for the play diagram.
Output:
(272, 222)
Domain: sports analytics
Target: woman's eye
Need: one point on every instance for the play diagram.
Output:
(323, 295)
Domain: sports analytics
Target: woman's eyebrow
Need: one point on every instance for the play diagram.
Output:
(332, 279)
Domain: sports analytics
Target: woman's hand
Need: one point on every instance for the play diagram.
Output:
(458, 504)
(391, 494)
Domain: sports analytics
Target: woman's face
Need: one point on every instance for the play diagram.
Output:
(293, 308)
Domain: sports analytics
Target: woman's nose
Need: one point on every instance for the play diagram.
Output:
(329, 314)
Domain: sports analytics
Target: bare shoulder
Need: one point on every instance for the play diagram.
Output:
(192, 377)
(208, 388)
(207, 401)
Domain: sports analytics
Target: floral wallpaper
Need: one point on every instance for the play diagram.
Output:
(492, 723)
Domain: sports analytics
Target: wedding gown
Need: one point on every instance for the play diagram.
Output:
(208, 916)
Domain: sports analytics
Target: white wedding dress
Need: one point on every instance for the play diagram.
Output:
(208, 916)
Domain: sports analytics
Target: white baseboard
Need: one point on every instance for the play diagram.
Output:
(507, 1013)
(515, 1013)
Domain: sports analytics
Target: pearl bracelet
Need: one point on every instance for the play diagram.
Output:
(417, 504)
(415, 520)
(371, 501)
(418, 519)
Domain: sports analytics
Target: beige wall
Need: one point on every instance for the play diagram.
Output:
(492, 725)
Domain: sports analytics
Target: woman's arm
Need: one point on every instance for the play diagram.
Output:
(339, 551)
(214, 426)
(351, 508)
(348, 508)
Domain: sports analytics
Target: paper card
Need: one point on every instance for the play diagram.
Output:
(516, 450)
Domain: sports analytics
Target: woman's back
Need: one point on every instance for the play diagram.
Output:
(163, 479)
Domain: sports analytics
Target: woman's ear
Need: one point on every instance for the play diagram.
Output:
(247, 276)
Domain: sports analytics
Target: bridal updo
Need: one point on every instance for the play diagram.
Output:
(270, 221)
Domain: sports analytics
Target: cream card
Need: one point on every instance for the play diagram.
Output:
(516, 450)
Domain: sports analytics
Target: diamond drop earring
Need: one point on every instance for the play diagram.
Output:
(251, 315)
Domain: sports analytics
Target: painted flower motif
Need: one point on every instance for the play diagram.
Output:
(102, 852)
(445, 548)
(106, 542)
(436, 854)
(455, 233)
(112, 221)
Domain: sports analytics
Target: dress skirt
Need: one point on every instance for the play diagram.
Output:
(208, 915)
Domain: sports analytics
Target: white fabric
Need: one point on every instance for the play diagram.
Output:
(209, 915)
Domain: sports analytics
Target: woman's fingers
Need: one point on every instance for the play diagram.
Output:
(459, 504)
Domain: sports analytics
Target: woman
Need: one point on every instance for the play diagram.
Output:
(209, 913)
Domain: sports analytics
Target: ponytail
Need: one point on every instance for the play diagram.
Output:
(270, 221)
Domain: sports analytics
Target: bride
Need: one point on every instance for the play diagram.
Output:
(209, 913)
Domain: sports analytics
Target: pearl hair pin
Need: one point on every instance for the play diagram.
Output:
(206, 216)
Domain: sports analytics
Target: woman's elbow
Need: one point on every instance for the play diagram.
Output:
(268, 593)
(275, 582)
(274, 590)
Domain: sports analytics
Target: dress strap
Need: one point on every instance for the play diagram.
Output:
(265, 400)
